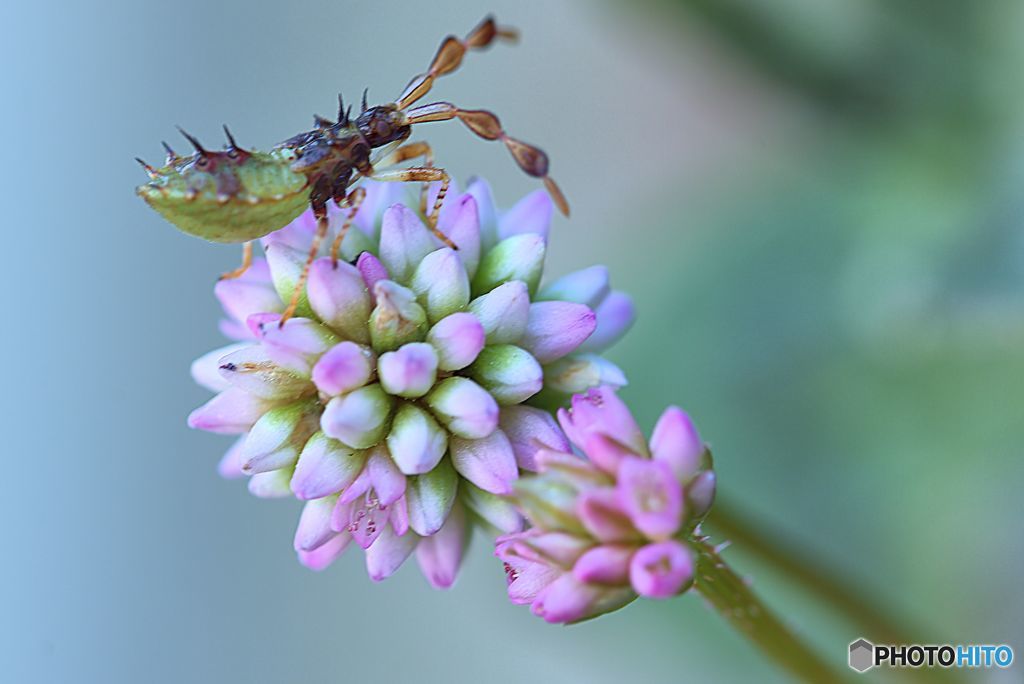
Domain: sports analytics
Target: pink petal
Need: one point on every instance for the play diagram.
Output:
(651, 495)
(206, 369)
(601, 513)
(460, 221)
(388, 554)
(404, 241)
(340, 298)
(600, 410)
(325, 554)
(343, 368)
(372, 270)
(314, 529)
(458, 339)
(387, 479)
(555, 329)
(249, 294)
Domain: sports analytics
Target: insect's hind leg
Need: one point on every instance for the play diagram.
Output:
(422, 174)
(318, 200)
(352, 202)
(246, 263)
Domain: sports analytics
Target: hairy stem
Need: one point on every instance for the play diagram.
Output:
(734, 601)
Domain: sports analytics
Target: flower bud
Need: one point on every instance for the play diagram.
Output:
(605, 564)
(297, 344)
(555, 329)
(340, 298)
(615, 316)
(509, 373)
(408, 372)
(358, 418)
(252, 370)
(429, 498)
(503, 312)
(252, 292)
(651, 495)
(700, 494)
(440, 554)
(529, 429)
(232, 412)
(441, 284)
(457, 339)
(344, 367)
(531, 214)
(580, 372)
(466, 408)
(488, 462)
(588, 286)
(676, 442)
(397, 319)
(416, 441)
(493, 509)
(520, 257)
(404, 241)
(272, 484)
(278, 436)
(662, 570)
(326, 466)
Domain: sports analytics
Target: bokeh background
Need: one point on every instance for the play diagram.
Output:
(818, 205)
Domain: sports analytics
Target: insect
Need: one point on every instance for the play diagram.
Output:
(238, 195)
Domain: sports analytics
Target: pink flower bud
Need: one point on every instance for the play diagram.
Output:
(457, 339)
(344, 367)
(661, 570)
(652, 496)
(409, 371)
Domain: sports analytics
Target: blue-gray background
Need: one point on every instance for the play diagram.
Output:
(818, 206)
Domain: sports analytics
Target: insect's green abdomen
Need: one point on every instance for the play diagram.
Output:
(228, 200)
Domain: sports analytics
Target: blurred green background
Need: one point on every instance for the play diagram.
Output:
(817, 205)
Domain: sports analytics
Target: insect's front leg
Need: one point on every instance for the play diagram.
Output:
(422, 174)
(412, 151)
(246, 263)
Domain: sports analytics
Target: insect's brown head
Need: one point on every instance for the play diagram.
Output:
(383, 124)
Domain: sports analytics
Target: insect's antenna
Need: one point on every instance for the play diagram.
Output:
(193, 140)
(531, 160)
(149, 169)
(449, 57)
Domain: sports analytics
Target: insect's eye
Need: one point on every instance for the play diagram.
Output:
(232, 154)
(202, 162)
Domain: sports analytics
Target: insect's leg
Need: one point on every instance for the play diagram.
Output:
(318, 200)
(449, 57)
(405, 153)
(422, 174)
(246, 263)
(354, 199)
(531, 160)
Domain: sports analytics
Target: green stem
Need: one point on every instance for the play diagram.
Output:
(825, 582)
(773, 550)
(735, 602)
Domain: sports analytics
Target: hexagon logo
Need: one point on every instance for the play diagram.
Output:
(862, 655)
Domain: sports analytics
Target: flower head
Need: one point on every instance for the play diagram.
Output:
(393, 402)
(615, 524)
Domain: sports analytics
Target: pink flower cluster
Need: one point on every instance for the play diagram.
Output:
(613, 525)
